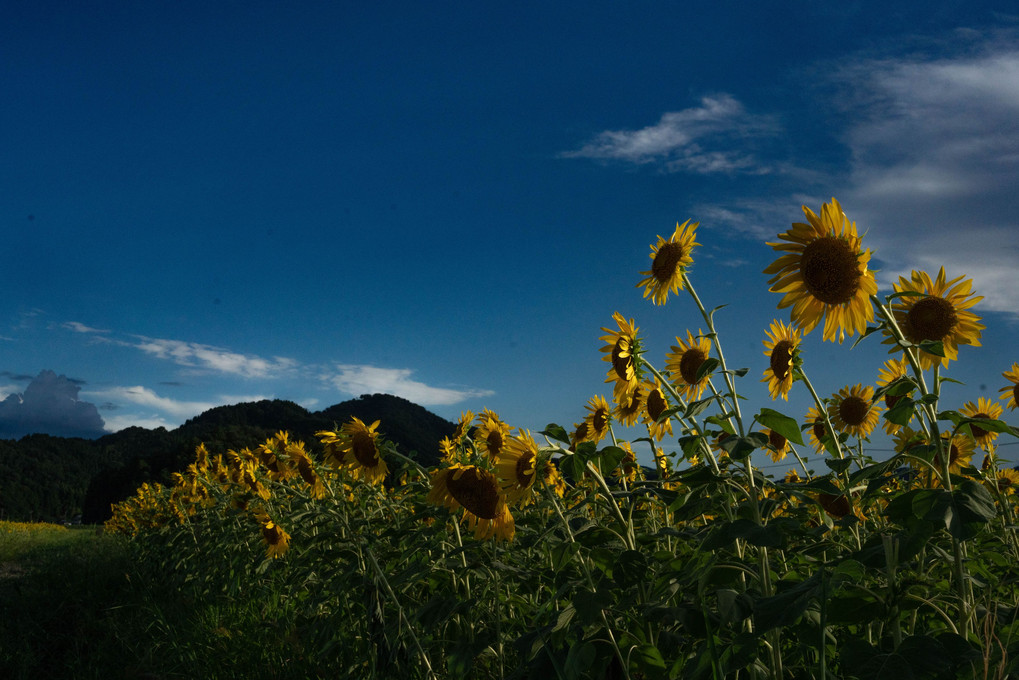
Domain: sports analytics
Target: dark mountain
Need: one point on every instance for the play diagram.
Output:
(56, 478)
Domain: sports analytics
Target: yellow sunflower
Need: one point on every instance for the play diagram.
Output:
(791, 477)
(824, 273)
(817, 430)
(277, 540)
(598, 418)
(778, 446)
(669, 261)
(889, 373)
(1007, 481)
(683, 362)
(853, 410)
(355, 446)
(781, 348)
(629, 405)
(960, 452)
(628, 468)
(491, 434)
(516, 468)
(621, 350)
(655, 404)
(1011, 393)
(941, 314)
(984, 408)
(476, 491)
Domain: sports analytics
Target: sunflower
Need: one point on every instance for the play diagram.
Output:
(491, 434)
(1011, 393)
(960, 447)
(791, 477)
(628, 468)
(683, 362)
(356, 446)
(516, 467)
(622, 350)
(598, 418)
(300, 459)
(778, 446)
(853, 410)
(817, 428)
(984, 408)
(889, 373)
(782, 350)
(628, 406)
(277, 540)
(1007, 481)
(941, 313)
(669, 261)
(463, 425)
(824, 274)
(655, 404)
(476, 491)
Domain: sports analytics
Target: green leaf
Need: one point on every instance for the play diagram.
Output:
(630, 568)
(838, 465)
(733, 606)
(934, 347)
(695, 408)
(781, 423)
(739, 448)
(553, 431)
(580, 658)
(705, 369)
(589, 605)
(648, 659)
(609, 458)
(902, 412)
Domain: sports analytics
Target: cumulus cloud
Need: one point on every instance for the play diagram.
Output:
(935, 163)
(706, 139)
(359, 380)
(215, 359)
(49, 405)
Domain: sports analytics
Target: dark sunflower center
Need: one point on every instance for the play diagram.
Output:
(830, 270)
(836, 506)
(1015, 393)
(932, 318)
(1004, 483)
(525, 470)
(781, 357)
(656, 404)
(632, 405)
(477, 491)
(666, 261)
(271, 533)
(776, 440)
(819, 429)
(892, 399)
(494, 440)
(622, 365)
(979, 432)
(853, 410)
(689, 363)
(600, 420)
(363, 447)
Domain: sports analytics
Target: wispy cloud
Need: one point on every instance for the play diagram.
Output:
(149, 399)
(935, 151)
(359, 380)
(82, 328)
(707, 139)
(217, 359)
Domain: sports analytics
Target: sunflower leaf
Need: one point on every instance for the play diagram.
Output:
(781, 423)
(556, 432)
(934, 347)
(705, 369)
(870, 329)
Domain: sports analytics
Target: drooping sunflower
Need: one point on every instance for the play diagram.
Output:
(669, 261)
(356, 447)
(628, 468)
(984, 408)
(889, 373)
(683, 362)
(824, 273)
(852, 410)
(598, 418)
(516, 468)
(491, 434)
(1011, 393)
(781, 348)
(305, 467)
(941, 313)
(621, 350)
(1007, 481)
(655, 404)
(476, 490)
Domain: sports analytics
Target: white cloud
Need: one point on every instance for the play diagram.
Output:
(143, 396)
(698, 140)
(359, 380)
(935, 163)
(214, 358)
(82, 328)
(118, 422)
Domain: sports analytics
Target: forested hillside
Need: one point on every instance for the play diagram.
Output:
(56, 478)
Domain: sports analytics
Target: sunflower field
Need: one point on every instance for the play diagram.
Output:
(554, 554)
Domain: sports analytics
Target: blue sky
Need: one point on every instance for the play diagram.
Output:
(206, 203)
